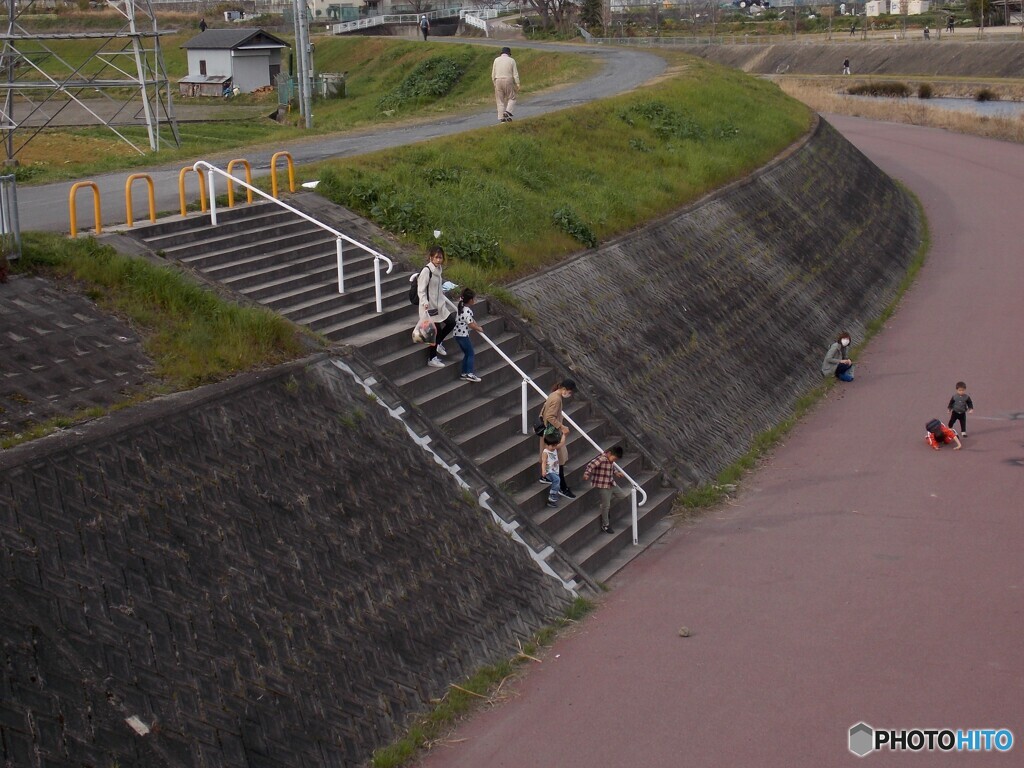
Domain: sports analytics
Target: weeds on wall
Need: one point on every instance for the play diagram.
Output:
(889, 88)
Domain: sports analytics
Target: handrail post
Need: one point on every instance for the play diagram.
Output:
(636, 526)
(213, 198)
(341, 268)
(73, 209)
(128, 196)
(376, 283)
(526, 422)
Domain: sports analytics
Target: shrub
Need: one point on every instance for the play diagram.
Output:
(665, 121)
(431, 79)
(476, 248)
(883, 88)
(986, 94)
(567, 220)
(924, 91)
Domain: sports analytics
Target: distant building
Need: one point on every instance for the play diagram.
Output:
(896, 7)
(245, 59)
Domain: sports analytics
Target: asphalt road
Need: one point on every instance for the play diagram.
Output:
(859, 575)
(46, 207)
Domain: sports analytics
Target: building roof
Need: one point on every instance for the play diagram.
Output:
(230, 39)
(201, 79)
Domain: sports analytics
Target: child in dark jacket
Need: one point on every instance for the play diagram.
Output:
(960, 404)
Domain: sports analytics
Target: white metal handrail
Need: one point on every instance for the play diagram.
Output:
(527, 381)
(412, 18)
(338, 236)
(475, 21)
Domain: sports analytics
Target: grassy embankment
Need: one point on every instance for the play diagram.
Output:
(512, 199)
(375, 67)
(192, 336)
(827, 95)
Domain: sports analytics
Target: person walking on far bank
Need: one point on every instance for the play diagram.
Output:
(202, 25)
(505, 76)
(434, 305)
(950, 22)
(846, 66)
(424, 26)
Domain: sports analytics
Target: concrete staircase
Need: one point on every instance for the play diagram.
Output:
(273, 257)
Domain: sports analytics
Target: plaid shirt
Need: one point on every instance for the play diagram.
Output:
(600, 472)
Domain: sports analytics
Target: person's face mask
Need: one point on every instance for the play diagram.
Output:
(845, 342)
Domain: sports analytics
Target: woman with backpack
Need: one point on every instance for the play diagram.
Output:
(434, 304)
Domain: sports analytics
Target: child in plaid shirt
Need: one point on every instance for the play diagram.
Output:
(601, 472)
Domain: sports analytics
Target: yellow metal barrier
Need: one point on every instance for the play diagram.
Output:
(74, 211)
(273, 173)
(181, 189)
(128, 196)
(231, 184)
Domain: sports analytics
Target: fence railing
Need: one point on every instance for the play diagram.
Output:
(413, 18)
(339, 238)
(526, 383)
(10, 226)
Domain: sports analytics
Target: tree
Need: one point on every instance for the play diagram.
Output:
(553, 12)
(976, 8)
(590, 14)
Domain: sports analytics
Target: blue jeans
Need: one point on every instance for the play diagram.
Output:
(556, 483)
(844, 372)
(468, 355)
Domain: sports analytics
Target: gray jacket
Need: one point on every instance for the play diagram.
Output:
(835, 355)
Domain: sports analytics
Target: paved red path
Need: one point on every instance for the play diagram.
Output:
(859, 575)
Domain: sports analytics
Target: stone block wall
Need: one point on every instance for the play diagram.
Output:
(266, 571)
(702, 329)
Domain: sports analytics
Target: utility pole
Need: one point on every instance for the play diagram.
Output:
(306, 60)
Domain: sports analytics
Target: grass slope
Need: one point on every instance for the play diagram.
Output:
(512, 198)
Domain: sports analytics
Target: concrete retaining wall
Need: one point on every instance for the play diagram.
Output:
(266, 572)
(945, 58)
(702, 330)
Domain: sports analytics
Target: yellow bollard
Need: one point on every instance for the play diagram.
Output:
(181, 189)
(128, 196)
(273, 173)
(231, 184)
(74, 211)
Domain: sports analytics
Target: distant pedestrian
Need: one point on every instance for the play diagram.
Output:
(601, 472)
(202, 25)
(434, 304)
(424, 26)
(463, 324)
(551, 415)
(554, 445)
(960, 404)
(950, 22)
(927, 33)
(837, 362)
(853, 28)
(936, 434)
(846, 66)
(505, 76)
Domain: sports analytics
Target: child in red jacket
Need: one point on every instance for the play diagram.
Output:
(937, 433)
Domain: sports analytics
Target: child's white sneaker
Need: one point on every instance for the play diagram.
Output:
(470, 377)
(435, 362)
(442, 351)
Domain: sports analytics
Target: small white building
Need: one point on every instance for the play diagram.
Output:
(249, 58)
(917, 7)
(876, 7)
(897, 7)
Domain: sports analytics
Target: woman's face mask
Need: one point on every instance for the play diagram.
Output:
(845, 342)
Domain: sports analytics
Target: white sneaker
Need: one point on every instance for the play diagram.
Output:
(435, 362)
(442, 351)
(470, 377)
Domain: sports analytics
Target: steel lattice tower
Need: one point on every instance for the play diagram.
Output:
(121, 81)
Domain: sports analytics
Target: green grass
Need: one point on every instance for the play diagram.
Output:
(710, 494)
(461, 699)
(512, 199)
(375, 66)
(193, 336)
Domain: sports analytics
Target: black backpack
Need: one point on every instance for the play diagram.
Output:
(414, 288)
(935, 427)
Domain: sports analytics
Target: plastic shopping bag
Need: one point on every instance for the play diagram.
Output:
(425, 331)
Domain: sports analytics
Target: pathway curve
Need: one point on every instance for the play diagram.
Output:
(45, 207)
(859, 576)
